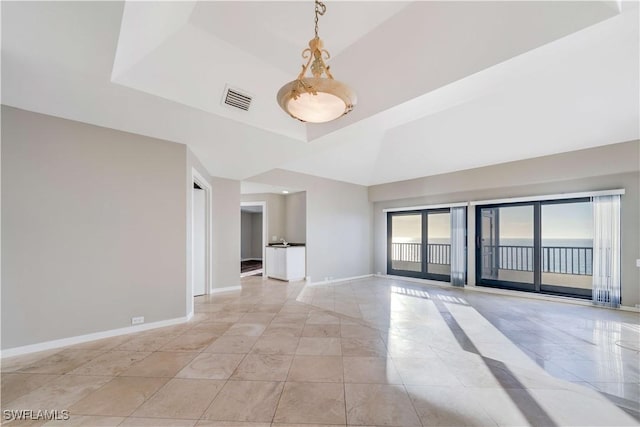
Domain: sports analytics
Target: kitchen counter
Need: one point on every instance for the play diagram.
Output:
(286, 262)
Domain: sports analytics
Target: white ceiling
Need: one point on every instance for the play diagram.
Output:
(442, 86)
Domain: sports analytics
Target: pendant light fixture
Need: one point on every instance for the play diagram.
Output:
(316, 99)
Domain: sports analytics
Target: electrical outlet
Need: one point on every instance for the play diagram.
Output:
(137, 320)
(274, 238)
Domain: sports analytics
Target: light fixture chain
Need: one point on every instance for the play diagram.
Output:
(320, 10)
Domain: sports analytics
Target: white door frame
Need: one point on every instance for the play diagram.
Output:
(197, 178)
(265, 238)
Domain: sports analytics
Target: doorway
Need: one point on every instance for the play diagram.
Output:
(199, 249)
(253, 232)
(200, 237)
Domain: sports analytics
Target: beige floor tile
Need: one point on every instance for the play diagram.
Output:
(378, 404)
(263, 367)
(15, 385)
(286, 318)
(62, 362)
(111, 363)
(215, 328)
(156, 422)
(321, 331)
(268, 308)
(261, 318)
(372, 347)
(11, 364)
(417, 371)
(276, 345)
(283, 329)
(222, 317)
(86, 421)
(119, 397)
(246, 329)
(211, 366)
(181, 398)
(160, 364)
(309, 425)
(212, 423)
(441, 406)
(312, 346)
(58, 394)
(196, 341)
(245, 401)
(321, 403)
(358, 331)
(370, 370)
(104, 344)
(232, 344)
(146, 342)
(324, 369)
(322, 318)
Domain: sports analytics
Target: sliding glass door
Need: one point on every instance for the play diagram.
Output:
(541, 246)
(506, 246)
(419, 244)
(405, 255)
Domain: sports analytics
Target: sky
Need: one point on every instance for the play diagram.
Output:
(559, 221)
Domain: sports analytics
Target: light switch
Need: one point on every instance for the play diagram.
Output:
(638, 263)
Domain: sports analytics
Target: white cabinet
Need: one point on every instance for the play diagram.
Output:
(286, 263)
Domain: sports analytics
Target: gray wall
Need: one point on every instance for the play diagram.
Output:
(256, 238)
(246, 233)
(275, 205)
(338, 224)
(226, 232)
(296, 217)
(602, 168)
(93, 228)
(251, 235)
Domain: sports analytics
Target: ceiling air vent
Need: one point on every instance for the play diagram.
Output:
(236, 99)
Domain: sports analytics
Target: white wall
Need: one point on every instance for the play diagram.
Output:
(296, 217)
(602, 168)
(338, 224)
(94, 229)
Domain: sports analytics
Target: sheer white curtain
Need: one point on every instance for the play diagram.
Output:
(458, 245)
(606, 250)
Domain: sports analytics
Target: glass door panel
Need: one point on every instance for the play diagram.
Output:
(439, 243)
(506, 246)
(405, 243)
(567, 247)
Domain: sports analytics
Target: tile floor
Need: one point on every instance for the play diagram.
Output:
(371, 352)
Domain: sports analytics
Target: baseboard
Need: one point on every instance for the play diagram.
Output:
(344, 279)
(63, 342)
(227, 289)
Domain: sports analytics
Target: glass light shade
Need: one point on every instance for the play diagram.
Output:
(334, 99)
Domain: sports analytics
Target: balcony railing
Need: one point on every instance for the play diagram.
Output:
(437, 253)
(555, 259)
